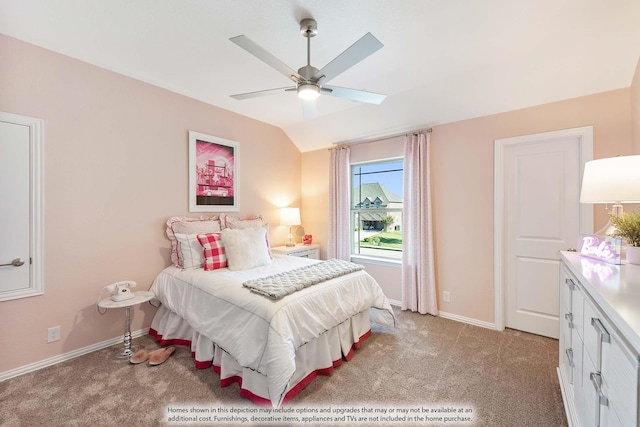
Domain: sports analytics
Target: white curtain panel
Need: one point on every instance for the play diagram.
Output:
(338, 245)
(418, 277)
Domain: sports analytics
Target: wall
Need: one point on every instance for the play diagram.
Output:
(635, 109)
(462, 193)
(115, 169)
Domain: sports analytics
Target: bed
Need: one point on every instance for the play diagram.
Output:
(271, 347)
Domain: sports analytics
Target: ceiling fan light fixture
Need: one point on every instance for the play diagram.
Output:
(308, 91)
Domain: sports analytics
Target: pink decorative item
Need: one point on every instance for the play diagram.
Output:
(307, 239)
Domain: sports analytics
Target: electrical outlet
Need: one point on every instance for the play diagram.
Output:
(53, 334)
(446, 297)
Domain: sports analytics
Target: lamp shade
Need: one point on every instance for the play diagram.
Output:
(290, 216)
(610, 180)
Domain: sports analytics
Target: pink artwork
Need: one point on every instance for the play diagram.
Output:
(213, 173)
(214, 169)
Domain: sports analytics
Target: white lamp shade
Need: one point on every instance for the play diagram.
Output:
(610, 180)
(290, 216)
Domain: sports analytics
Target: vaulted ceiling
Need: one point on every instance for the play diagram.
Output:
(442, 61)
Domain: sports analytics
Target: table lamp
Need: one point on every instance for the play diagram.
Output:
(612, 180)
(290, 216)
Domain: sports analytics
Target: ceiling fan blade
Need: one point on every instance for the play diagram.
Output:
(353, 94)
(266, 57)
(358, 51)
(309, 109)
(261, 93)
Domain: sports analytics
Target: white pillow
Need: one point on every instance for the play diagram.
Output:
(246, 248)
(190, 250)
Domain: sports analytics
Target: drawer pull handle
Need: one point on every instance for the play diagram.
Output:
(570, 283)
(602, 332)
(596, 379)
(569, 318)
(569, 353)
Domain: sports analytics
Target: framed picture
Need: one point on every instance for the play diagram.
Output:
(213, 173)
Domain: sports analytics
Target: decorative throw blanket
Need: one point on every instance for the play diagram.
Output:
(283, 284)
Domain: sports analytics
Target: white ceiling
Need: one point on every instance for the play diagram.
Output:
(442, 61)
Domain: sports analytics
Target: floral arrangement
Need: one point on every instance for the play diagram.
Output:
(627, 227)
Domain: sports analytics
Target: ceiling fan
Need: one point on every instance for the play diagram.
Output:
(311, 82)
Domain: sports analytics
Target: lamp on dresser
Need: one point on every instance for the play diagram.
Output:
(290, 217)
(613, 180)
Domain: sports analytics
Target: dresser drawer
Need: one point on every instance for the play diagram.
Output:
(567, 285)
(596, 332)
(305, 251)
(620, 376)
(588, 402)
(577, 308)
(577, 348)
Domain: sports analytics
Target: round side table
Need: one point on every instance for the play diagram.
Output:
(139, 298)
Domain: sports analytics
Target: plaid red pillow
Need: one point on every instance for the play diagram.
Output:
(214, 255)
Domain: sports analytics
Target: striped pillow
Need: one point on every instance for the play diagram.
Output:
(214, 254)
(189, 251)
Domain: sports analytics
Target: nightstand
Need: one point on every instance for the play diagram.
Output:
(139, 298)
(302, 251)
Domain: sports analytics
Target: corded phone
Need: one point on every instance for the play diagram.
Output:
(120, 291)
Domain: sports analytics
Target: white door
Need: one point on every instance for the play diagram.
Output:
(20, 189)
(541, 215)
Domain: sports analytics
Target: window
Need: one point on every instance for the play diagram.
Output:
(376, 209)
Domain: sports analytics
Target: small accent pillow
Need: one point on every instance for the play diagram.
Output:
(190, 251)
(229, 221)
(188, 225)
(246, 248)
(214, 252)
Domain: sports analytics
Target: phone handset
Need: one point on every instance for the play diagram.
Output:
(120, 291)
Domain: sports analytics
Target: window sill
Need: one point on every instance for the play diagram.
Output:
(378, 261)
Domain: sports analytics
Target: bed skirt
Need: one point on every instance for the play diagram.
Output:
(317, 357)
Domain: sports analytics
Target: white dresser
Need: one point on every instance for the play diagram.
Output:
(599, 341)
(303, 251)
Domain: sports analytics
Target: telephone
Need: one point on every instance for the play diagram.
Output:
(120, 291)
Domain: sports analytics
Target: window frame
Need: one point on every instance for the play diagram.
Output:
(358, 207)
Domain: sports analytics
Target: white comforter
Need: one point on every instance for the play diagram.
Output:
(258, 332)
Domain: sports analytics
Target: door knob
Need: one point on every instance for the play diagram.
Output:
(16, 263)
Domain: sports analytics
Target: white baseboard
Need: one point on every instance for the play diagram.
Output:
(455, 317)
(67, 356)
(470, 321)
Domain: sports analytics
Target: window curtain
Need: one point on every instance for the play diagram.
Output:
(338, 244)
(418, 277)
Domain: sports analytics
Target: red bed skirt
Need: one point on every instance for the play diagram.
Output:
(259, 400)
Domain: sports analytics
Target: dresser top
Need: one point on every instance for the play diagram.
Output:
(615, 288)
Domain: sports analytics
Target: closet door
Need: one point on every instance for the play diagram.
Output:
(20, 207)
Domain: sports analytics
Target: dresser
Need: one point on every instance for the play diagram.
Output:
(303, 251)
(599, 344)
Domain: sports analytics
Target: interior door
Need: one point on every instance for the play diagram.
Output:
(542, 216)
(20, 207)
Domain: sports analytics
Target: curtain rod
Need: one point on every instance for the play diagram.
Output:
(338, 145)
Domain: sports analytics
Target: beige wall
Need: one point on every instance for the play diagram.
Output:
(462, 176)
(635, 109)
(115, 169)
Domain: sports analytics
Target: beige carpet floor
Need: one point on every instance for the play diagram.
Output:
(425, 363)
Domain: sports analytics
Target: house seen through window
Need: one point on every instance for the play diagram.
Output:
(376, 209)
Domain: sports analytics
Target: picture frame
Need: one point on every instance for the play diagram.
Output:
(213, 173)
